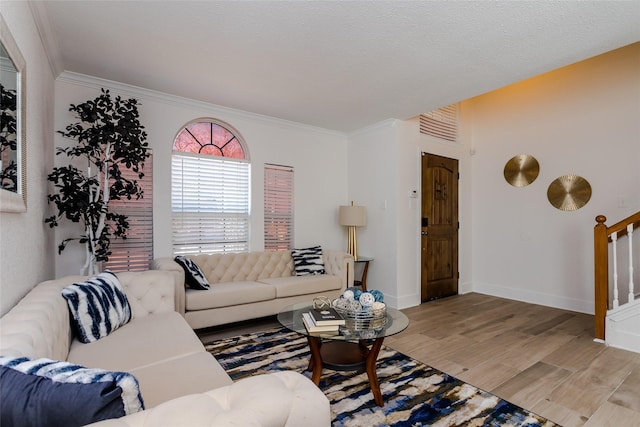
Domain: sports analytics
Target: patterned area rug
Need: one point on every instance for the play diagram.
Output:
(414, 394)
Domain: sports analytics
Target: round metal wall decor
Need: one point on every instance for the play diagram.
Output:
(521, 170)
(569, 192)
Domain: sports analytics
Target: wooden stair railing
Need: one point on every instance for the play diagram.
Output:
(601, 238)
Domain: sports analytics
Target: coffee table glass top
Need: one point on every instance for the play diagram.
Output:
(291, 318)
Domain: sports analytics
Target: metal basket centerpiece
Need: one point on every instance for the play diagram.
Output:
(361, 310)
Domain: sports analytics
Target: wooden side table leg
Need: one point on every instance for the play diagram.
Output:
(364, 276)
(315, 363)
(370, 363)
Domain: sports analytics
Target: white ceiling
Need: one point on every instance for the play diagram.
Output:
(339, 65)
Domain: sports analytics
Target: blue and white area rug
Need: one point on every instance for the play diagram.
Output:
(414, 394)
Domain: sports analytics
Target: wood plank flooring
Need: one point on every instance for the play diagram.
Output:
(541, 358)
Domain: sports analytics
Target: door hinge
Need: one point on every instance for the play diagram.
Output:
(458, 225)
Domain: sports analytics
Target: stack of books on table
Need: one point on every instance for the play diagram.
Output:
(326, 320)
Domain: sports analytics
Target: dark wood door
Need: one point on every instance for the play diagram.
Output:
(439, 277)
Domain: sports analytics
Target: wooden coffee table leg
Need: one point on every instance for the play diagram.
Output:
(370, 360)
(315, 364)
(370, 363)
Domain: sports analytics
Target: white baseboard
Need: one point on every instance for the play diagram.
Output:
(523, 295)
(623, 326)
(532, 297)
(625, 340)
(403, 302)
(465, 288)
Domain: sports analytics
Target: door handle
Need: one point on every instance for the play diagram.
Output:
(424, 233)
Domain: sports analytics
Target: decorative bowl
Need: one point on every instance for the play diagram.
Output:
(369, 318)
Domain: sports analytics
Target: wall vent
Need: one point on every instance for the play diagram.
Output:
(441, 123)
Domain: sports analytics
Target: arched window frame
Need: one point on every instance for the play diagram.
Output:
(232, 130)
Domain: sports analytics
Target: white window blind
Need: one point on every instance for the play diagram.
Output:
(134, 253)
(278, 207)
(210, 204)
(441, 123)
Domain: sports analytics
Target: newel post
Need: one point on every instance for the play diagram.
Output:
(601, 280)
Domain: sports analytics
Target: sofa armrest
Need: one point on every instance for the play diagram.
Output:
(283, 399)
(339, 264)
(168, 264)
(149, 291)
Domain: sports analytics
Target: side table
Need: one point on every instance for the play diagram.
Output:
(365, 268)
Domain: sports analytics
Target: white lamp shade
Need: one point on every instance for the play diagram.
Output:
(355, 216)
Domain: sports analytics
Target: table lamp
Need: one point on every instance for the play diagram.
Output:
(352, 216)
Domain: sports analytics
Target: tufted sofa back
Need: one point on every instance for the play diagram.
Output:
(39, 325)
(151, 291)
(248, 266)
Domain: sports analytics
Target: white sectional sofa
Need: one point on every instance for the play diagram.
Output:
(180, 382)
(255, 284)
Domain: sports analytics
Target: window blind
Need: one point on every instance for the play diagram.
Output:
(134, 253)
(441, 123)
(278, 207)
(210, 204)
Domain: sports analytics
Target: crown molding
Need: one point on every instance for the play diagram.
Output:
(47, 36)
(383, 124)
(157, 96)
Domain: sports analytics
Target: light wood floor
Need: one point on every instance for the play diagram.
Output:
(540, 358)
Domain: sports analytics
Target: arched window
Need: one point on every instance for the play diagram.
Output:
(210, 189)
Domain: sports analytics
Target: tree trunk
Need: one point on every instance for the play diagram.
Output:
(94, 231)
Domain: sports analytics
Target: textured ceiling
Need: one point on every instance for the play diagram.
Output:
(337, 65)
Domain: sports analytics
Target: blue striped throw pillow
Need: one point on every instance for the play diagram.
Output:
(307, 261)
(44, 392)
(99, 306)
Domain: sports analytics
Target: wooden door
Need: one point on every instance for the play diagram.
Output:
(439, 258)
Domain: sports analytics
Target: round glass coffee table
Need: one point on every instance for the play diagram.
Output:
(348, 349)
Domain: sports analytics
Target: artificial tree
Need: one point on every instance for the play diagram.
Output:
(110, 138)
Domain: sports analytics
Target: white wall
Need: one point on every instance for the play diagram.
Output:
(25, 243)
(319, 157)
(581, 119)
(384, 168)
(372, 183)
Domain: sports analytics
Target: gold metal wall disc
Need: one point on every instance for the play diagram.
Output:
(569, 192)
(521, 170)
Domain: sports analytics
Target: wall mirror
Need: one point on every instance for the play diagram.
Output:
(13, 161)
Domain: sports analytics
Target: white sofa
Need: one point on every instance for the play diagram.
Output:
(180, 382)
(254, 284)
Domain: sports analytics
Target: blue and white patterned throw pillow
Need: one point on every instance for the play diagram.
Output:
(193, 276)
(307, 261)
(99, 306)
(44, 392)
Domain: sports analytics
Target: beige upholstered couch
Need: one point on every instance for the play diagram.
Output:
(180, 382)
(255, 284)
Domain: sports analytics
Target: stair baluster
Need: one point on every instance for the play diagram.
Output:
(614, 242)
(630, 238)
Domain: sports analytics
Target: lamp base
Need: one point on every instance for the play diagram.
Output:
(352, 242)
